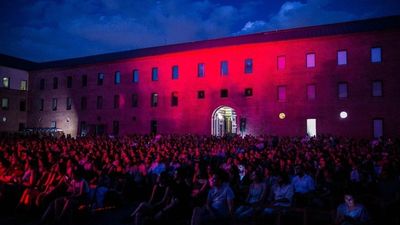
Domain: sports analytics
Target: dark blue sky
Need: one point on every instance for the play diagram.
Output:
(48, 30)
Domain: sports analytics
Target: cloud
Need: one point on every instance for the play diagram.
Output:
(252, 27)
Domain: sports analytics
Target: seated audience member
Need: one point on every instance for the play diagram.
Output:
(350, 212)
(256, 196)
(219, 206)
(281, 195)
(304, 186)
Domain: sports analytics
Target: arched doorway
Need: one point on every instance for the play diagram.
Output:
(223, 121)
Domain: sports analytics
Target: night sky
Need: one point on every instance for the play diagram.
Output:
(49, 30)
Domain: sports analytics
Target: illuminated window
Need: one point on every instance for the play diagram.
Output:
(41, 84)
(83, 103)
(154, 99)
(311, 92)
(248, 66)
(135, 76)
(310, 60)
(377, 88)
(342, 57)
(100, 79)
(342, 90)
(378, 128)
(154, 74)
(200, 70)
(116, 101)
(117, 77)
(311, 127)
(4, 103)
(6, 82)
(376, 55)
(23, 85)
(135, 100)
(115, 127)
(224, 93)
(174, 99)
(99, 102)
(41, 104)
(175, 72)
(54, 104)
(224, 68)
(281, 62)
(69, 103)
(84, 80)
(201, 94)
(248, 92)
(282, 93)
(55, 83)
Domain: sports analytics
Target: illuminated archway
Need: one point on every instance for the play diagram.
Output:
(223, 121)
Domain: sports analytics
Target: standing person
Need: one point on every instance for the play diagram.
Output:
(219, 206)
(350, 212)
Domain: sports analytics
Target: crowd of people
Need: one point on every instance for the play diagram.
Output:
(201, 179)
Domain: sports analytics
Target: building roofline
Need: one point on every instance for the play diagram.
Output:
(17, 63)
(358, 26)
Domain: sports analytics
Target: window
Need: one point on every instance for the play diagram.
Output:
(4, 103)
(116, 101)
(83, 103)
(22, 105)
(310, 60)
(41, 84)
(224, 93)
(69, 82)
(376, 55)
(201, 94)
(200, 70)
(342, 89)
(100, 79)
(6, 82)
(41, 104)
(175, 72)
(54, 104)
(99, 102)
(23, 85)
(311, 92)
(174, 99)
(53, 124)
(154, 99)
(69, 103)
(224, 68)
(115, 127)
(135, 100)
(117, 77)
(378, 128)
(135, 76)
(342, 57)
(281, 62)
(55, 82)
(248, 92)
(248, 66)
(153, 127)
(154, 74)
(377, 88)
(311, 127)
(282, 93)
(84, 80)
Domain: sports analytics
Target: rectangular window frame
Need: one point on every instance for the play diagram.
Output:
(117, 77)
(248, 66)
(100, 79)
(175, 72)
(135, 76)
(154, 74)
(377, 92)
(201, 72)
(310, 60)
(224, 68)
(376, 54)
(340, 94)
(341, 57)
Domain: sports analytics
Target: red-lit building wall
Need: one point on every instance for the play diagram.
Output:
(193, 115)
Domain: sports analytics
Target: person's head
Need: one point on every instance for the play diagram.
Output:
(283, 178)
(349, 200)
